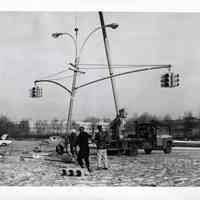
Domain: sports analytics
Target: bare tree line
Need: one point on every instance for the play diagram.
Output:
(185, 127)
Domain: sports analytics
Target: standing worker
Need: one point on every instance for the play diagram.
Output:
(72, 142)
(83, 153)
(101, 139)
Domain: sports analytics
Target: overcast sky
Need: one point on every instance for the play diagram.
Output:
(28, 52)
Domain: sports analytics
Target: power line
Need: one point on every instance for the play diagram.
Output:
(64, 77)
(118, 66)
(103, 68)
(93, 68)
(61, 78)
(54, 74)
(128, 65)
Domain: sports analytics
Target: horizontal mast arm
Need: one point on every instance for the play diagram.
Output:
(54, 82)
(124, 73)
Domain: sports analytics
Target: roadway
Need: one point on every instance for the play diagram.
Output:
(179, 168)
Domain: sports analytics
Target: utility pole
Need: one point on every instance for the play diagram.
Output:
(107, 50)
(75, 65)
(73, 90)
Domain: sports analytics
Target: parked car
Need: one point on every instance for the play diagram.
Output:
(4, 141)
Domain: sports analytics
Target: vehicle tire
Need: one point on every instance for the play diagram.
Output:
(133, 150)
(4, 144)
(168, 148)
(147, 151)
(147, 147)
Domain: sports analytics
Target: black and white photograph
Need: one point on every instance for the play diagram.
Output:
(99, 98)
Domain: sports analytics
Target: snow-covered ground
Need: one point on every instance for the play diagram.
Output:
(180, 168)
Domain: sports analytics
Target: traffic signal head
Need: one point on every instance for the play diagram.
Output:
(175, 80)
(39, 91)
(33, 92)
(165, 80)
(36, 92)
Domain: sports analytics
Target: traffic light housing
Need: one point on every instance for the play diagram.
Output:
(166, 80)
(169, 80)
(175, 80)
(39, 91)
(36, 92)
(33, 92)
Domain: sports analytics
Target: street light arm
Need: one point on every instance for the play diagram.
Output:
(54, 82)
(86, 39)
(121, 74)
(113, 26)
(56, 35)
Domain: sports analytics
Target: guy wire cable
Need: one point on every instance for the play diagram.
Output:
(131, 65)
(64, 77)
(118, 66)
(55, 74)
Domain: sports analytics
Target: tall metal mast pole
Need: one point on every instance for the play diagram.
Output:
(76, 63)
(107, 50)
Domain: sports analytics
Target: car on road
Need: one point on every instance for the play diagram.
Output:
(4, 141)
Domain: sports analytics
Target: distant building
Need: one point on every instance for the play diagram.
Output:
(59, 127)
(90, 127)
(87, 125)
(32, 126)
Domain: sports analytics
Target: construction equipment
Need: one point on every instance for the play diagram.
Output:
(119, 143)
(148, 136)
(125, 146)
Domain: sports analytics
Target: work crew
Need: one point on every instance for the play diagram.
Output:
(83, 153)
(101, 139)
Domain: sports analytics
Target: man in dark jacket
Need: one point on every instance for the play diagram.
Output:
(101, 139)
(83, 153)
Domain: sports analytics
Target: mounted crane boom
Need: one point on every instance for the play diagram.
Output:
(107, 50)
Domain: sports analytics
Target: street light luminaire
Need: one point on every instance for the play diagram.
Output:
(113, 25)
(56, 35)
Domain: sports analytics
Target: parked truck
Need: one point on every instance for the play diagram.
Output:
(153, 136)
(147, 136)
